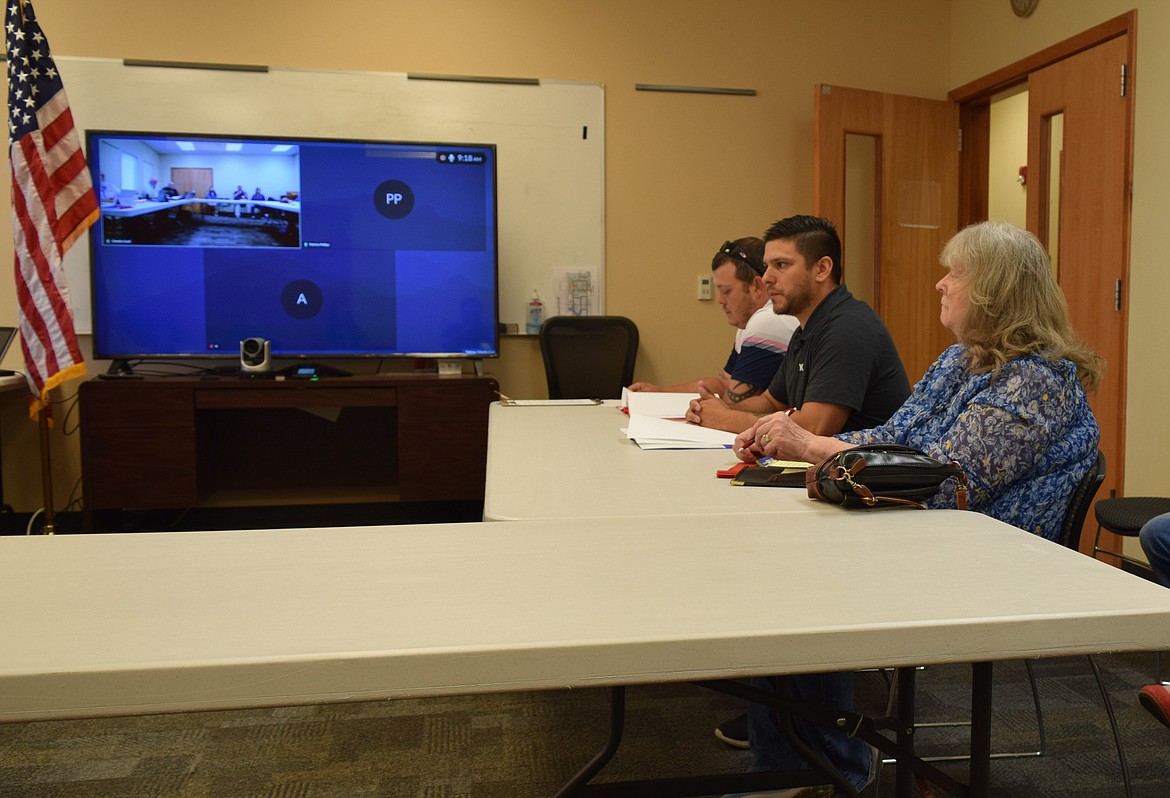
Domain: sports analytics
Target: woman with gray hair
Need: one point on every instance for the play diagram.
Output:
(1007, 402)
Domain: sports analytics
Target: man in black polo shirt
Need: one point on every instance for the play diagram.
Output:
(842, 373)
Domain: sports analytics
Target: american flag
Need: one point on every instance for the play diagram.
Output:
(53, 203)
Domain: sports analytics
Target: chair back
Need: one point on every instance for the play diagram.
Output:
(588, 357)
(1079, 503)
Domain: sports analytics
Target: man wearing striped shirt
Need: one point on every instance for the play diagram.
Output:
(762, 335)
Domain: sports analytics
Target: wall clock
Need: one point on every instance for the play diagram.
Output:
(1024, 8)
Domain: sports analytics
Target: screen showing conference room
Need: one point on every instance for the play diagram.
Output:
(323, 247)
(136, 172)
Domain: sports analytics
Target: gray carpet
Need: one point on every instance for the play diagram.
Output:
(527, 744)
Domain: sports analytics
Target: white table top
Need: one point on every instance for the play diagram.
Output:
(144, 206)
(160, 622)
(575, 462)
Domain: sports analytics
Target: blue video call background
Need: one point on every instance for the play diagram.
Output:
(425, 283)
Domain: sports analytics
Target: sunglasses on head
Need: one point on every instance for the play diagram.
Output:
(732, 251)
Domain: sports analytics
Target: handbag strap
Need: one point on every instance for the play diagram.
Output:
(842, 474)
(867, 495)
(960, 488)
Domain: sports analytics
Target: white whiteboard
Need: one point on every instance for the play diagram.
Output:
(550, 141)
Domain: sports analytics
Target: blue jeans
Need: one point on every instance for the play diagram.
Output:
(1155, 539)
(850, 755)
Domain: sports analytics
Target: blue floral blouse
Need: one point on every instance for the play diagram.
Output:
(1025, 438)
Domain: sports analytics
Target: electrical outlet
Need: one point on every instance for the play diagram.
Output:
(704, 286)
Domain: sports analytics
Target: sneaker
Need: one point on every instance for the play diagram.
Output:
(1156, 699)
(821, 790)
(734, 732)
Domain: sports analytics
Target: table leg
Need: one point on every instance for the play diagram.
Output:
(980, 729)
(902, 748)
(904, 775)
(617, 720)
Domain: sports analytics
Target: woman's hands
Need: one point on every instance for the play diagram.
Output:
(779, 437)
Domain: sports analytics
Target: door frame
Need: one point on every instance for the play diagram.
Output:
(974, 101)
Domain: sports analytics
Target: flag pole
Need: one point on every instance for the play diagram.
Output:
(46, 473)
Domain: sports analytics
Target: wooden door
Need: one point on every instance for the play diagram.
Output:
(915, 207)
(197, 179)
(1079, 204)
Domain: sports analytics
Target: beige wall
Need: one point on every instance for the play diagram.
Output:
(683, 172)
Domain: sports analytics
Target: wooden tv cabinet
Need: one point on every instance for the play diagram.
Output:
(228, 441)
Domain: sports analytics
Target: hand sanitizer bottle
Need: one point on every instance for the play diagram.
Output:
(535, 314)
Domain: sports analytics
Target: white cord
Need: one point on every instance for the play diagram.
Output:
(33, 517)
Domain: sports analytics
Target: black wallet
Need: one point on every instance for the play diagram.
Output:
(770, 477)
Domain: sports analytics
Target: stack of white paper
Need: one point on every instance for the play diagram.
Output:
(656, 422)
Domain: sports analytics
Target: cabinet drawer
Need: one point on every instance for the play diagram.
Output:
(293, 396)
(136, 403)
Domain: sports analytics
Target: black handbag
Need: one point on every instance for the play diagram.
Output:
(883, 473)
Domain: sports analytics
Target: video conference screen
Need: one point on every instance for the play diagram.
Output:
(323, 247)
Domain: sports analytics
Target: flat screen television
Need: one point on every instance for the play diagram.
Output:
(327, 248)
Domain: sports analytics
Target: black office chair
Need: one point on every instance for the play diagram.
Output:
(1126, 516)
(1082, 500)
(1070, 535)
(588, 357)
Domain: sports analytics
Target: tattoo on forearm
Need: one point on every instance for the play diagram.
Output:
(741, 391)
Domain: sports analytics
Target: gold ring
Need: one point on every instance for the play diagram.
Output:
(765, 438)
